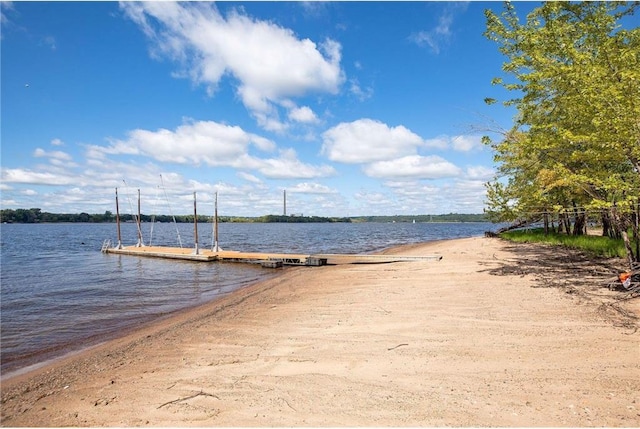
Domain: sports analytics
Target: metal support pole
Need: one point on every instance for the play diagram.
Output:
(119, 246)
(195, 225)
(215, 226)
(139, 244)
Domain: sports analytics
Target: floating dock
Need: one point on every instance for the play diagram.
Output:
(268, 260)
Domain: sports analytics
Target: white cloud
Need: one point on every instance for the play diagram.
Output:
(440, 142)
(480, 172)
(59, 155)
(457, 196)
(460, 143)
(57, 142)
(310, 188)
(314, 8)
(367, 140)
(205, 142)
(90, 188)
(303, 114)
(466, 143)
(373, 198)
(470, 196)
(213, 144)
(413, 166)
(270, 63)
(358, 92)
(20, 175)
(249, 177)
(437, 36)
(440, 35)
(402, 184)
(5, 6)
(287, 166)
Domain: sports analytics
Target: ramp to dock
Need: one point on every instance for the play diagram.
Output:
(271, 260)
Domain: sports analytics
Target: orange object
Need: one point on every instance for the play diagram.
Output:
(624, 276)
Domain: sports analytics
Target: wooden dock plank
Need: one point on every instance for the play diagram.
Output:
(165, 252)
(207, 255)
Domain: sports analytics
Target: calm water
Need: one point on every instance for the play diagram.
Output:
(59, 293)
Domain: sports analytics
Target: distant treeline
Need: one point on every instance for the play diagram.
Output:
(38, 216)
(451, 217)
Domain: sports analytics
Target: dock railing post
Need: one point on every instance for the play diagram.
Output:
(138, 220)
(119, 246)
(215, 226)
(195, 225)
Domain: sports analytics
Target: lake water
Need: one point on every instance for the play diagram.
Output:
(59, 293)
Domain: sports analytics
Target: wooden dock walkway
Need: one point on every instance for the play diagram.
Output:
(270, 260)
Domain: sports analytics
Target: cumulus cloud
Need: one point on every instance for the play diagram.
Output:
(373, 198)
(91, 187)
(56, 158)
(460, 143)
(457, 196)
(270, 63)
(195, 143)
(249, 177)
(367, 140)
(480, 173)
(466, 143)
(213, 144)
(288, 166)
(440, 142)
(59, 155)
(303, 114)
(21, 175)
(413, 166)
(310, 188)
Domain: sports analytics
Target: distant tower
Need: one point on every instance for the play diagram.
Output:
(285, 202)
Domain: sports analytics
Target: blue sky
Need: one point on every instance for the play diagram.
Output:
(355, 108)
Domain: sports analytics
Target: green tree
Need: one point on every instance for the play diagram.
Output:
(576, 73)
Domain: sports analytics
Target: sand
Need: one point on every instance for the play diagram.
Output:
(483, 337)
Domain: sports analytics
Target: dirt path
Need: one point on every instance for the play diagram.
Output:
(476, 339)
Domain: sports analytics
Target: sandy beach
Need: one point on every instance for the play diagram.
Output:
(491, 335)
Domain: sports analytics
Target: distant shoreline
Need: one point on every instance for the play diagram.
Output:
(35, 215)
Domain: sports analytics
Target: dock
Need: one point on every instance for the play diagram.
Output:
(267, 260)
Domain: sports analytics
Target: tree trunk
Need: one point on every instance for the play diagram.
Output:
(620, 224)
(567, 222)
(636, 230)
(606, 224)
(579, 220)
(560, 224)
(517, 224)
(546, 223)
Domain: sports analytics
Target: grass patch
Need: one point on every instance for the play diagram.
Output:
(592, 244)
